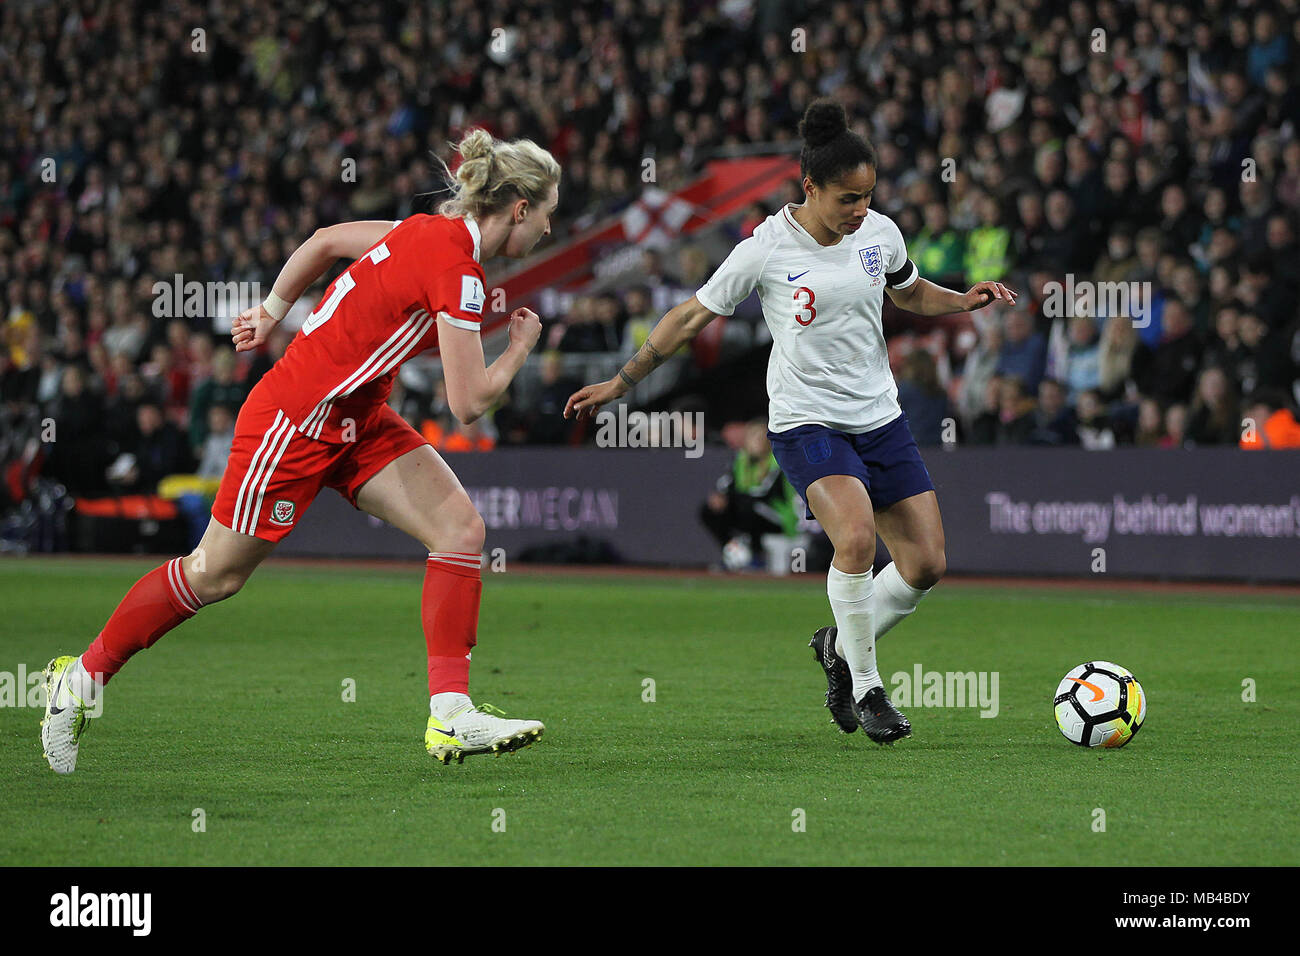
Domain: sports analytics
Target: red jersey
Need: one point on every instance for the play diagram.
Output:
(380, 311)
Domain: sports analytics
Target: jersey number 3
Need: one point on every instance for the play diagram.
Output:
(804, 311)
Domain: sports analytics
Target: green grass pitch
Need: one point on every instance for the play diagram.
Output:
(240, 713)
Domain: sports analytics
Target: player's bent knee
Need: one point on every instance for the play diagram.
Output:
(214, 586)
(459, 528)
(855, 553)
(932, 568)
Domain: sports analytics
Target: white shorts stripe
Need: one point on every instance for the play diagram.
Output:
(260, 476)
(252, 468)
(246, 520)
(270, 470)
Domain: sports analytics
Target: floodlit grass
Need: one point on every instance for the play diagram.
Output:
(240, 713)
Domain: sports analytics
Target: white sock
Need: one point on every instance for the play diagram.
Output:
(851, 603)
(893, 599)
(80, 683)
(448, 704)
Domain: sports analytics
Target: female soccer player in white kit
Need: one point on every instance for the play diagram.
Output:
(821, 270)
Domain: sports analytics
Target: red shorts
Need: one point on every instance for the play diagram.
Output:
(275, 472)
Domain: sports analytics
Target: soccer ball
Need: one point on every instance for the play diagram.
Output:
(737, 555)
(1100, 704)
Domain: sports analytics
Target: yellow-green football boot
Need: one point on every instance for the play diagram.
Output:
(475, 731)
(66, 715)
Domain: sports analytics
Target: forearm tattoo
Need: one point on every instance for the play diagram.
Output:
(647, 359)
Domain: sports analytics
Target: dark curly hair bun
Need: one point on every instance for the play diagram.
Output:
(830, 148)
(822, 122)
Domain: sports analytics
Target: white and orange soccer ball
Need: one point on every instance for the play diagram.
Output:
(1100, 704)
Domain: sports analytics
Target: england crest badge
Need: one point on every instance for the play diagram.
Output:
(871, 260)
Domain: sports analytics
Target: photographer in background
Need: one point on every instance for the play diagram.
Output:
(751, 500)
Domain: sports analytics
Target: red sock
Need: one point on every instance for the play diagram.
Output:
(155, 604)
(452, 587)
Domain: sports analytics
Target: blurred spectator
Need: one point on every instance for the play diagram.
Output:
(1024, 351)
(588, 328)
(79, 453)
(126, 336)
(922, 397)
(1223, 346)
(939, 250)
(169, 381)
(1080, 367)
(1150, 431)
(988, 247)
(1016, 412)
(984, 425)
(979, 369)
(220, 389)
(1121, 358)
(1264, 359)
(544, 421)
(1272, 423)
(1175, 426)
(641, 319)
(1053, 420)
(1065, 245)
(1118, 262)
(1214, 418)
(158, 451)
(1172, 371)
(1094, 430)
(1177, 223)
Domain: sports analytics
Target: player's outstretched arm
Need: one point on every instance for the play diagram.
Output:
(678, 326)
(473, 386)
(347, 240)
(923, 297)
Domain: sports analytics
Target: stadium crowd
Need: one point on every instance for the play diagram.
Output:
(1137, 142)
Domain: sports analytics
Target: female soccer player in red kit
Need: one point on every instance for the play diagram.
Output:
(319, 418)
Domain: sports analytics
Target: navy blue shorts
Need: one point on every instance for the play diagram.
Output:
(886, 460)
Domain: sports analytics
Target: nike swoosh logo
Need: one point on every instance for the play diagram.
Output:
(445, 733)
(1097, 692)
(54, 695)
(790, 278)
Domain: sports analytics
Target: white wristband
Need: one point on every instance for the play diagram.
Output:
(275, 306)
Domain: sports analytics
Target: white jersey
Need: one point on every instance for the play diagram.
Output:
(829, 365)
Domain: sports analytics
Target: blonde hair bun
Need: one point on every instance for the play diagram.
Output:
(494, 173)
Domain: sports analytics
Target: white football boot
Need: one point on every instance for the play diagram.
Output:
(475, 731)
(66, 716)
